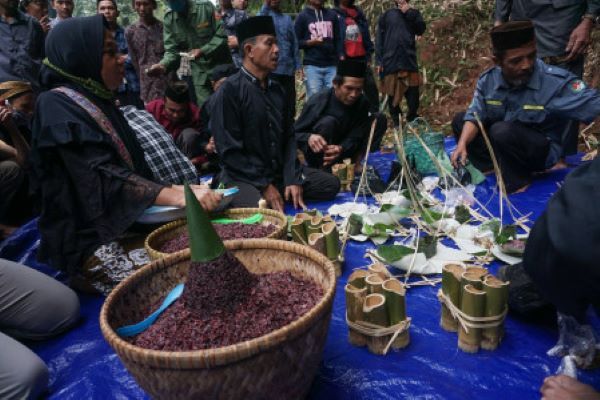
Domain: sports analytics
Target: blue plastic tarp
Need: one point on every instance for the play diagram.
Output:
(83, 366)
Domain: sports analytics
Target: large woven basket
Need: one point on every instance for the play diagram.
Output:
(281, 364)
(158, 237)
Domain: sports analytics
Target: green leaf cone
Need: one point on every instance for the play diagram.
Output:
(205, 244)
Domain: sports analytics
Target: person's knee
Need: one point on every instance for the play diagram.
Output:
(11, 174)
(331, 186)
(326, 125)
(189, 135)
(29, 378)
(501, 132)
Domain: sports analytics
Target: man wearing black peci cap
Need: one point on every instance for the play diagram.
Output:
(335, 123)
(522, 104)
(253, 129)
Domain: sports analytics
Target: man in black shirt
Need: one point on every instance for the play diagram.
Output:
(253, 130)
(335, 124)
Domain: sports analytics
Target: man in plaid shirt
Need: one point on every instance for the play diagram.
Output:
(167, 162)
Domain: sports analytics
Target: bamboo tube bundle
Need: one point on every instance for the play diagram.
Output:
(473, 306)
(357, 278)
(375, 313)
(379, 269)
(496, 304)
(355, 298)
(451, 279)
(374, 284)
(395, 303)
(317, 241)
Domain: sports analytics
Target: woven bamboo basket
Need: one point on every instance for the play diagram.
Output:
(281, 363)
(159, 236)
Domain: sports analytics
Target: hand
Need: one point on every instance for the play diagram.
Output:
(579, 40)
(498, 22)
(273, 198)
(232, 42)
(210, 147)
(5, 116)
(208, 199)
(195, 53)
(316, 143)
(564, 387)
(295, 192)
(45, 23)
(156, 70)
(459, 155)
(332, 153)
(315, 42)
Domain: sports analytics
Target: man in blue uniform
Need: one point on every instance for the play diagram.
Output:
(522, 103)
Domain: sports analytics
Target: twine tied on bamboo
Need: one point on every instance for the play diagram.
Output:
(372, 330)
(468, 321)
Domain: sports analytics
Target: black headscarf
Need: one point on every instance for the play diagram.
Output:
(74, 59)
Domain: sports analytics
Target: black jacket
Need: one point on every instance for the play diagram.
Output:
(314, 110)
(395, 47)
(253, 134)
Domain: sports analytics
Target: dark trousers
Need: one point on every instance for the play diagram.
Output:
(318, 186)
(288, 82)
(371, 92)
(15, 204)
(520, 150)
(570, 134)
(328, 125)
(412, 101)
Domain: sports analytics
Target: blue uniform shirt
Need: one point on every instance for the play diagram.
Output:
(550, 98)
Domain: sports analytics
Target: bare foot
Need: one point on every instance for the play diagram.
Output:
(522, 189)
(559, 165)
(562, 387)
(6, 231)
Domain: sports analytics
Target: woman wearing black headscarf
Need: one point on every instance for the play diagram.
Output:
(88, 170)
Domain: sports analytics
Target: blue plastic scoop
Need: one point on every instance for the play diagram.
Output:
(135, 329)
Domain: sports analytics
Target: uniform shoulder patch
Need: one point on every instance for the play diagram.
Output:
(577, 85)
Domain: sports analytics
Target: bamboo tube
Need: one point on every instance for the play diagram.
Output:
(342, 173)
(480, 270)
(451, 278)
(473, 305)
(354, 224)
(375, 313)
(355, 298)
(332, 238)
(357, 278)
(326, 218)
(395, 304)
(379, 269)
(314, 225)
(496, 298)
(298, 230)
(374, 284)
(470, 277)
(317, 241)
(311, 213)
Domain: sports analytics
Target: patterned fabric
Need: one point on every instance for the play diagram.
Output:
(112, 263)
(167, 162)
(131, 84)
(146, 48)
(100, 118)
